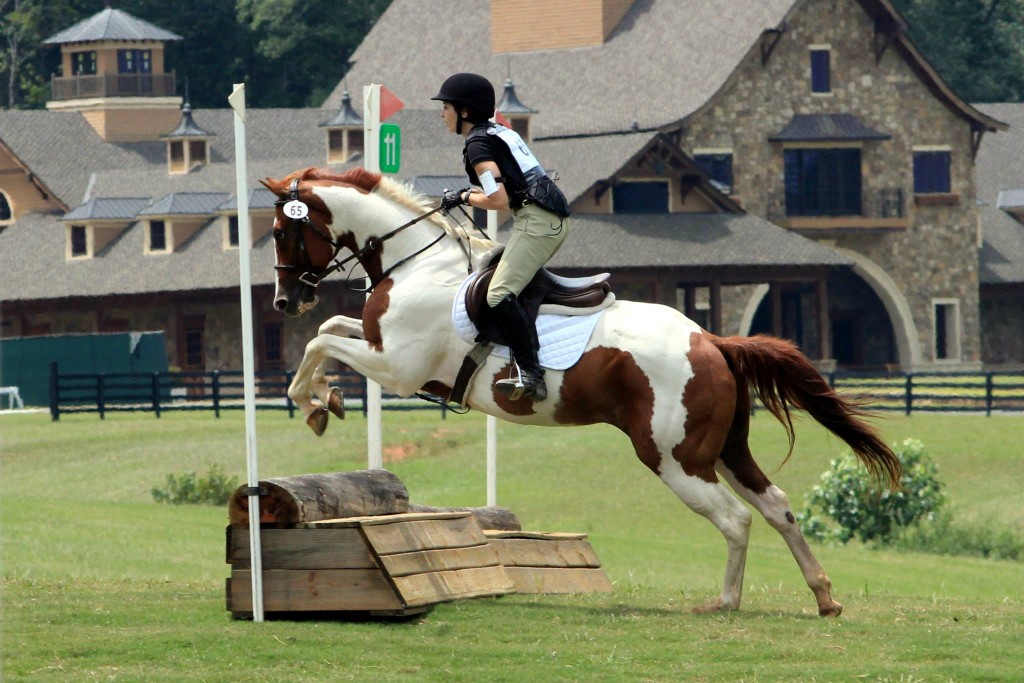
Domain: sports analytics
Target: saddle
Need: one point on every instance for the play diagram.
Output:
(557, 295)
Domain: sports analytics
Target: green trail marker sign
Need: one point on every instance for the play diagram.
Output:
(390, 148)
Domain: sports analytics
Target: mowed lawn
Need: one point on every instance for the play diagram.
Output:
(102, 583)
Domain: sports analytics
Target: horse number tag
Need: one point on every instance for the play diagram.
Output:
(296, 209)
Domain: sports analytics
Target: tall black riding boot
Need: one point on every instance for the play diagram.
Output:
(521, 334)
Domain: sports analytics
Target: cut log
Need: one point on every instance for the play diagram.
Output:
(312, 497)
(491, 517)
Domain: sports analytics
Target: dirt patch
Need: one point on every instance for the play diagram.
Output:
(399, 452)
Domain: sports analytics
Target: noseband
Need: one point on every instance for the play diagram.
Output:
(313, 280)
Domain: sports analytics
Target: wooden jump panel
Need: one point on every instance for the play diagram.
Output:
(549, 562)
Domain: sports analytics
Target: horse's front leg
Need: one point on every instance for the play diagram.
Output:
(309, 376)
(332, 397)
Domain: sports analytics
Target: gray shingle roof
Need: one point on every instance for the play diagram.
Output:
(686, 240)
(1000, 167)
(187, 128)
(111, 24)
(108, 208)
(186, 204)
(826, 127)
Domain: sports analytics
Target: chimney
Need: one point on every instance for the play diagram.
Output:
(524, 25)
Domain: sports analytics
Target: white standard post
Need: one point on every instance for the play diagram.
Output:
(371, 162)
(237, 102)
(492, 422)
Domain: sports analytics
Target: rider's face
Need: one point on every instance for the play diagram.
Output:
(449, 116)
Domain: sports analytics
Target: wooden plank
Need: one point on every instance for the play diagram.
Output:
(533, 552)
(421, 561)
(343, 548)
(423, 589)
(427, 534)
(343, 522)
(551, 580)
(299, 590)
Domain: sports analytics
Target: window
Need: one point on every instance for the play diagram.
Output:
(821, 78)
(83, 63)
(931, 172)
(718, 166)
(193, 355)
(947, 329)
(197, 152)
(5, 208)
(273, 337)
(641, 197)
(79, 241)
(336, 141)
(134, 61)
(157, 236)
(233, 231)
(823, 181)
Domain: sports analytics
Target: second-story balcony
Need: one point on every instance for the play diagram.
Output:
(879, 209)
(113, 85)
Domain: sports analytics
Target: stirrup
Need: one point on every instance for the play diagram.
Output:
(516, 388)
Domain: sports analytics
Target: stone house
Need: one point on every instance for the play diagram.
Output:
(809, 176)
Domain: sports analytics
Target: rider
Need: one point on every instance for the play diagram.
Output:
(507, 174)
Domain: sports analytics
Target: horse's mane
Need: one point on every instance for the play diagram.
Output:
(399, 193)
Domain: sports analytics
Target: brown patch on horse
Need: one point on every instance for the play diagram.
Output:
(523, 406)
(437, 388)
(710, 400)
(358, 178)
(375, 308)
(594, 390)
(736, 451)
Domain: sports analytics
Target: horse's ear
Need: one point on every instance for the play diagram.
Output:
(272, 185)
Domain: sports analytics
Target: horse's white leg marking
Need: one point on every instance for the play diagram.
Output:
(774, 505)
(343, 326)
(729, 516)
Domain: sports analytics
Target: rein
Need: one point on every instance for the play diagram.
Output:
(313, 279)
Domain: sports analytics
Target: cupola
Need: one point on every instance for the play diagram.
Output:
(187, 145)
(344, 133)
(112, 71)
(517, 113)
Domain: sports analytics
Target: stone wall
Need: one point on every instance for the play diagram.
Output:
(936, 256)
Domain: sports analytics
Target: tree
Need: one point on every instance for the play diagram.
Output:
(977, 46)
(302, 47)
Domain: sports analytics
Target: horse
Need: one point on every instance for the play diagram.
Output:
(681, 394)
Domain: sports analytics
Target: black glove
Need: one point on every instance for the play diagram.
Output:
(452, 198)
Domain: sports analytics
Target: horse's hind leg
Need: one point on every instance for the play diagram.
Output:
(737, 466)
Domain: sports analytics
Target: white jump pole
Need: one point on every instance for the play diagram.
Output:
(371, 162)
(492, 422)
(237, 102)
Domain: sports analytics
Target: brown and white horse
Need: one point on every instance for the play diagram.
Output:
(681, 394)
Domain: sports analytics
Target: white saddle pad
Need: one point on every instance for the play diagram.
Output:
(562, 337)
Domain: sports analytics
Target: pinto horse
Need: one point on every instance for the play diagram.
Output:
(681, 394)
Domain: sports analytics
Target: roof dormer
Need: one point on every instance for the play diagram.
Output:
(112, 71)
(261, 217)
(175, 218)
(344, 133)
(515, 112)
(187, 145)
(91, 226)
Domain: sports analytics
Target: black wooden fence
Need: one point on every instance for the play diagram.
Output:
(161, 392)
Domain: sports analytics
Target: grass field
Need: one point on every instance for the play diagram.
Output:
(101, 583)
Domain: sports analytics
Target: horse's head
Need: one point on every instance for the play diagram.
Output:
(303, 242)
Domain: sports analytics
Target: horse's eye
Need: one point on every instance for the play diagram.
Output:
(279, 235)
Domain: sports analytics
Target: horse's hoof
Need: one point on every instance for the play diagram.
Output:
(833, 610)
(336, 403)
(317, 420)
(712, 607)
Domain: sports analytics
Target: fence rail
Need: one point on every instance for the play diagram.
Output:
(160, 392)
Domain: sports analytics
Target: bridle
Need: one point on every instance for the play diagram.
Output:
(313, 279)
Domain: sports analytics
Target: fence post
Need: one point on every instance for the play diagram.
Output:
(988, 393)
(101, 404)
(154, 385)
(215, 388)
(362, 388)
(54, 393)
(909, 393)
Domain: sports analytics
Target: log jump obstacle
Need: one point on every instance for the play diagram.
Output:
(350, 542)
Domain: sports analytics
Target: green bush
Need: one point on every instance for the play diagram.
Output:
(946, 536)
(859, 507)
(213, 489)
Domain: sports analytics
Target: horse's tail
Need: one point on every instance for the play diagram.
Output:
(782, 376)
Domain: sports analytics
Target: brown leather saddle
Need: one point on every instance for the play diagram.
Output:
(546, 288)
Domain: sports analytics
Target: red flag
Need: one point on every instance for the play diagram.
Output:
(500, 118)
(389, 104)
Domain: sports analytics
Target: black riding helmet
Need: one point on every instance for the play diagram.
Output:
(472, 91)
